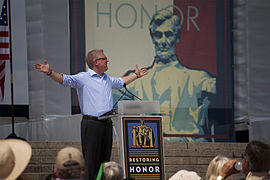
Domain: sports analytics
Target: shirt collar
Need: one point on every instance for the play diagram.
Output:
(264, 174)
(93, 73)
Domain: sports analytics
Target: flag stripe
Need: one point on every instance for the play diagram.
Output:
(4, 51)
(4, 39)
(4, 56)
(3, 27)
(4, 45)
(3, 33)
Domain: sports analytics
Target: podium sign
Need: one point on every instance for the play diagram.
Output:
(143, 147)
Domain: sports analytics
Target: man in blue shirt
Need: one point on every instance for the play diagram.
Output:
(94, 89)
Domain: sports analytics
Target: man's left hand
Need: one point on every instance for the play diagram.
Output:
(140, 72)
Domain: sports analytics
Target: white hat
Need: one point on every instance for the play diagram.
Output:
(15, 154)
(68, 158)
(185, 175)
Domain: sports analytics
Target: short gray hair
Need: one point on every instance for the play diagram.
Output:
(91, 56)
(112, 171)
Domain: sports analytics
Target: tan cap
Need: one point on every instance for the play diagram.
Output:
(185, 175)
(69, 158)
(15, 154)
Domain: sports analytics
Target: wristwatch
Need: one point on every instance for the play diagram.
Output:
(220, 178)
(136, 75)
(49, 73)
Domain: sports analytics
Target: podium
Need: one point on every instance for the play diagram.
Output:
(138, 125)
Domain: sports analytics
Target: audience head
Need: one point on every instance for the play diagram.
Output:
(215, 166)
(15, 154)
(112, 171)
(257, 154)
(185, 175)
(69, 163)
(256, 160)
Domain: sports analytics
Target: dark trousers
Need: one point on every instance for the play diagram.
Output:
(96, 137)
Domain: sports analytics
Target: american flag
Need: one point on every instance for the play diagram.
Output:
(4, 46)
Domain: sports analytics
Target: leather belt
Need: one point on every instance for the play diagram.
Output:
(90, 117)
(96, 118)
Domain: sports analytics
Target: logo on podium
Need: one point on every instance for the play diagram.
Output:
(143, 147)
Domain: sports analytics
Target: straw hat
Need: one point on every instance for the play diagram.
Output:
(14, 157)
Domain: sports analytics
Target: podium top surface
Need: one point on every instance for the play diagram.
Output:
(138, 107)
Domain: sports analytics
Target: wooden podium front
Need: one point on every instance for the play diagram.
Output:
(141, 141)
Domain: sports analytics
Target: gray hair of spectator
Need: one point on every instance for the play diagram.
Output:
(91, 56)
(215, 166)
(258, 155)
(112, 171)
(160, 17)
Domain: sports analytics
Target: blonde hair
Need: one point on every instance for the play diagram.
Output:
(215, 166)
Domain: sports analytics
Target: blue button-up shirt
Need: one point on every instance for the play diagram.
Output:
(94, 91)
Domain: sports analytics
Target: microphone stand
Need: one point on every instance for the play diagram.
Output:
(120, 97)
(131, 92)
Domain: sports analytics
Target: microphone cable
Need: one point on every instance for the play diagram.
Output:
(123, 93)
(125, 86)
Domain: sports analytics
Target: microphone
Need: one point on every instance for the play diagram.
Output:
(125, 86)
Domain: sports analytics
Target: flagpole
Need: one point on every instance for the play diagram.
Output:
(11, 67)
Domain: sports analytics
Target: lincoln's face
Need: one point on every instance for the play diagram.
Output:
(164, 40)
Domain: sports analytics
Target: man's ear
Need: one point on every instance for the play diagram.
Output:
(245, 165)
(83, 173)
(56, 172)
(95, 63)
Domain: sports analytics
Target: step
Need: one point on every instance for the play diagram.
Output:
(193, 156)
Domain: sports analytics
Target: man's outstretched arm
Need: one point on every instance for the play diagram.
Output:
(45, 68)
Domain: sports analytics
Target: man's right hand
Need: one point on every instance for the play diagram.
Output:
(45, 68)
(228, 169)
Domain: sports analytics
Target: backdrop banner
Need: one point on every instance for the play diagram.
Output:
(186, 47)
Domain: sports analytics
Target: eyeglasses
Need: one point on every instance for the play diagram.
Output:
(105, 58)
